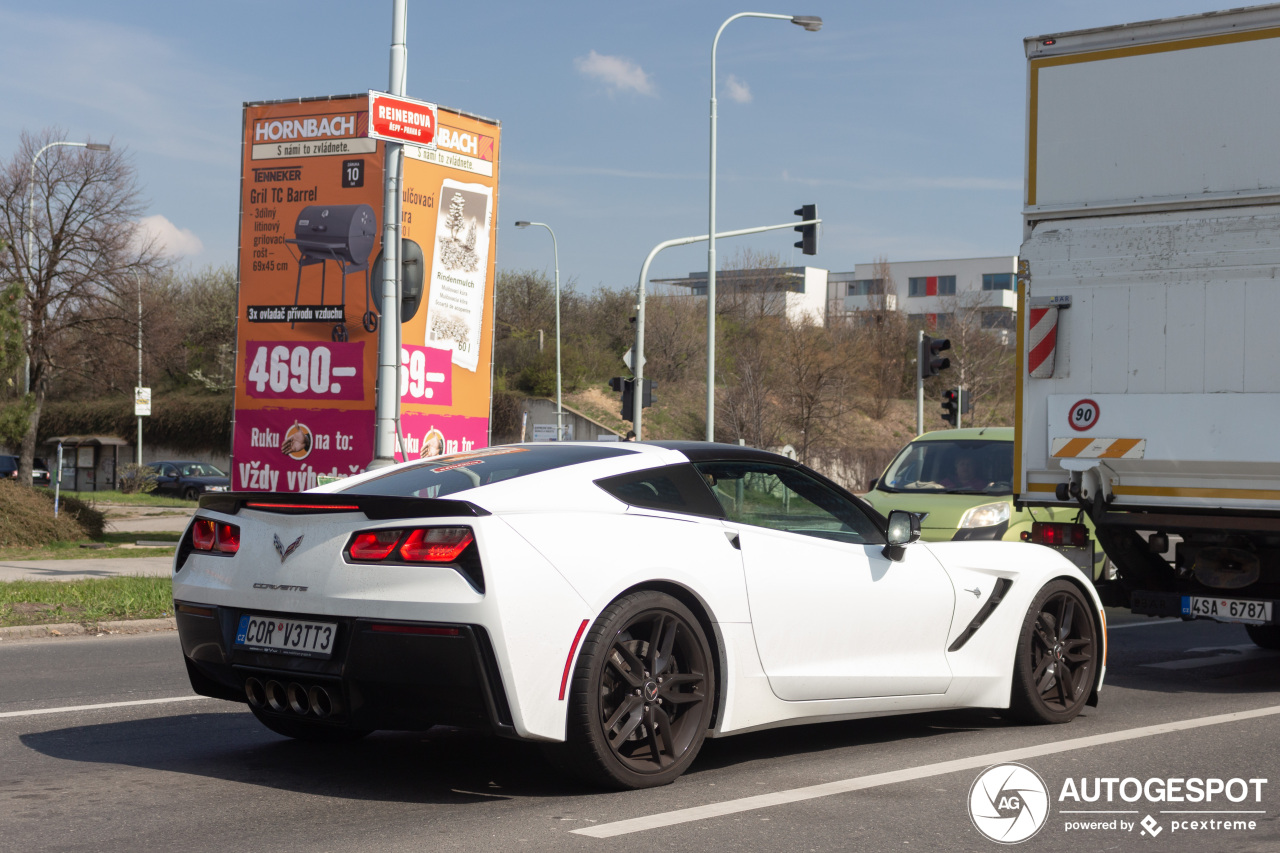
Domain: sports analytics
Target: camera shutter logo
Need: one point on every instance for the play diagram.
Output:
(1008, 803)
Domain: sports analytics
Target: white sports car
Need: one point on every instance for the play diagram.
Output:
(619, 602)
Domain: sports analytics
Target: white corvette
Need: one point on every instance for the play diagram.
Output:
(619, 602)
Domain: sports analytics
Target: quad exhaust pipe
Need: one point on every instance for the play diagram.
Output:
(291, 698)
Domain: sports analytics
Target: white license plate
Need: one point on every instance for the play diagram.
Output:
(1227, 609)
(290, 636)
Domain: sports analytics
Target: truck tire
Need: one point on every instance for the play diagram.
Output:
(1264, 636)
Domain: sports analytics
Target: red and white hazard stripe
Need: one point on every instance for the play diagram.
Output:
(1044, 342)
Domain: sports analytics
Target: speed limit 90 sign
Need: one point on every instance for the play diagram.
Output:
(1083, 415)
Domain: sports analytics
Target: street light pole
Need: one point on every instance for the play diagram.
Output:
(138, 279)
(811, 24)
(31, 225)
(555, 251)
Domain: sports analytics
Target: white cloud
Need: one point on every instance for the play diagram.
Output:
(172, 241)
(617, 74)
(737, 90)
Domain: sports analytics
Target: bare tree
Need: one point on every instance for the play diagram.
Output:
(86, 248)
(675, 343)
(878, 341)
(815, 381)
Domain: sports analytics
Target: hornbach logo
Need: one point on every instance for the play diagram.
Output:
(305, 127)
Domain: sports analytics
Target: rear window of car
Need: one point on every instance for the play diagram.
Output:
(448, 475)
(674, 488)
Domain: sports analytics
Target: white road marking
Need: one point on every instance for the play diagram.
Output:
(36, 711)
(1224, 654)
(844, 786)
(1111, 627)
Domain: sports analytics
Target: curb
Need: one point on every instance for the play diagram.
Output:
(69, 629)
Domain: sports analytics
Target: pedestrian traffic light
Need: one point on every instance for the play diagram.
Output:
(808, 243)
(930, 361)
(950, 405)
(966, 402)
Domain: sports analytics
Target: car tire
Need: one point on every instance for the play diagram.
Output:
(307, 730)
(1056, 665)
(191, 493)
(1264, 636)
(641, 696)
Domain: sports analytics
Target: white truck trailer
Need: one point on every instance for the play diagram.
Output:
(1149, 307)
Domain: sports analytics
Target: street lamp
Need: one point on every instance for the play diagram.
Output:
(556, 253)
(31, 221)
(811, 23)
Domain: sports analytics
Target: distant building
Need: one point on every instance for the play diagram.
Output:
(795, 292)
(930, 292)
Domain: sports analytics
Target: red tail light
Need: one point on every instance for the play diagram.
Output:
(1060, 534)
(436, 544)
(374, 544)
(228, 538)
(210, 535)
(204, 534)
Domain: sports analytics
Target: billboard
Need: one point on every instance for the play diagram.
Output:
(309, 302)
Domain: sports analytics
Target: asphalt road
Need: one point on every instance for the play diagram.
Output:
(202, 775)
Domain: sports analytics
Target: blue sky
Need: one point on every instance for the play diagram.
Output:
(902, 121)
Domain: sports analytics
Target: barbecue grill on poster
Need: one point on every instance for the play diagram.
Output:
(311, 227)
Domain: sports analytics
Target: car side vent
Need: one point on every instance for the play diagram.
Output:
(997, 595)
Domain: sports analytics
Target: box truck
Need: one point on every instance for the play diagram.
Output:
(1149, 307)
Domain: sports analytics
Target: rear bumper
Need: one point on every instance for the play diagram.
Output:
(381, 679)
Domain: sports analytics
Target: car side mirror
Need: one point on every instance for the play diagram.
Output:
(904, 528)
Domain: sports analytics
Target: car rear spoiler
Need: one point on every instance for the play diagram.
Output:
(375, 507)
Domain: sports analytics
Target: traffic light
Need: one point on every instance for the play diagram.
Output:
(930, 361)
(950, 405)
(808, 243)
(626, 386)
(966, 402)
(646, 393)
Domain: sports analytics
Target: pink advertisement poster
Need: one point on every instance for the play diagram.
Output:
(283, 450)
(435, 435)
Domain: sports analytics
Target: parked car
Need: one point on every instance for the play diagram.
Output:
(188, 480)
(961, 481)
(39, 471)
(616, 603)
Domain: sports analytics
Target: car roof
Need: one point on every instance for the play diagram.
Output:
(704, 451)
(968, 434)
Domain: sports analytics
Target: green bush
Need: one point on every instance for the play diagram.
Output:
(137, 479)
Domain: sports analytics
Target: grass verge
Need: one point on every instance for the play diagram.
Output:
(106, 497)
(117, 545)
(88, 602)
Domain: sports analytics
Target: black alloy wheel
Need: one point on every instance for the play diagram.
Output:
(1057, 658)
(642, 694)
(191, 493)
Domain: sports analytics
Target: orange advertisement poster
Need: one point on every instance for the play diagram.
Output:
(449, 209)
(309, 301)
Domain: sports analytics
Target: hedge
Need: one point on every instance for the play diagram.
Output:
(186, 422)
